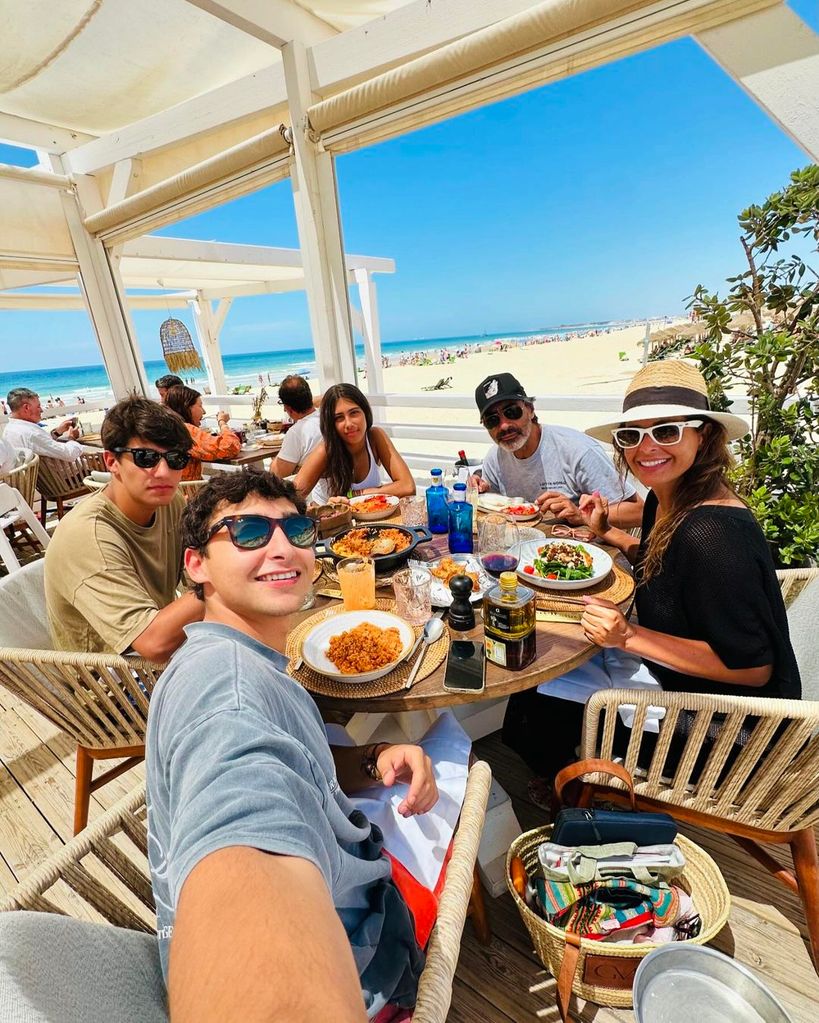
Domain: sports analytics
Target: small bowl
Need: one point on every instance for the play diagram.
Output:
(331, 518)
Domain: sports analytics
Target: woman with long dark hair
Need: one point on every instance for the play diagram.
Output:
(187, 403)
(352, 454)
(710, 615)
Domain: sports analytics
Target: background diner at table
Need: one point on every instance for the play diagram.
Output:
(187, 403)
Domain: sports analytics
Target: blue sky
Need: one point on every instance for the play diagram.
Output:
(607, 195)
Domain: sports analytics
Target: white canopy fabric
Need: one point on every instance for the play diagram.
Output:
(476, 69)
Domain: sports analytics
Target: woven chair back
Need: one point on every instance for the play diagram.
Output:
(771, 782)
(101, 700)
(65, 479)
(100, 875)
(24, 478)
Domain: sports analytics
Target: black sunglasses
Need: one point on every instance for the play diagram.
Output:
(148, 458)
(250, 532)
(511, 412)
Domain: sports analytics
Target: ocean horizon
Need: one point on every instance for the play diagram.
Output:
(91, 382)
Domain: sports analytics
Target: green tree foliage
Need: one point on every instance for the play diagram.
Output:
(774, 358)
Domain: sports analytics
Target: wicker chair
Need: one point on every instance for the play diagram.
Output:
(24, 479)
(105, 870)
(63, 481)
(100, 700)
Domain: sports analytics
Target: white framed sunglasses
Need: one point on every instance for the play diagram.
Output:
(664, 434)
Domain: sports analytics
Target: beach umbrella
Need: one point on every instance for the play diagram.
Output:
(177, 347)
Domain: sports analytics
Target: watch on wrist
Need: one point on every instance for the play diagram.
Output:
(369, 760)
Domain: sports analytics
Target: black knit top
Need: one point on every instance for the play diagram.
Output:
(717, 584)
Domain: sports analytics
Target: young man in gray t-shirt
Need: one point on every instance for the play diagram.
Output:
(273, 899)
(551, 466)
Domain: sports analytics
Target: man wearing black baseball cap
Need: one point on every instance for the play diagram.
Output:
(552, 466)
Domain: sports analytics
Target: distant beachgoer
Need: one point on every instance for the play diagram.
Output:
(163, 384)
(352, 452)
(24, 433)
(552, 466)
(60, 402)
(296, 399)
(187, 403)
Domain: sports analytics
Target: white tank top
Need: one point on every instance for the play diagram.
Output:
(321, 491)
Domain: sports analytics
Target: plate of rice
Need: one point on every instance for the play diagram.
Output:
(372, 507)
(357, 646)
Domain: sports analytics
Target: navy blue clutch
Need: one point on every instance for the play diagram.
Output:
(574, 826)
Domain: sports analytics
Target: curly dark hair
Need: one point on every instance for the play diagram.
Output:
(181, 399)
(229, 489)
(339, 460)
(140, 417)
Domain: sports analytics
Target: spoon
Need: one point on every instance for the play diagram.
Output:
(433, 630)
(382, 545)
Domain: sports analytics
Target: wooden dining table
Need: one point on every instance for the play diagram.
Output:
(561, 647)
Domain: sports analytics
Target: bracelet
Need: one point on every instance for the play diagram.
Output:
(369, 760)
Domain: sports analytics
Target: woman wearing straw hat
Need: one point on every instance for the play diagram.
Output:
(710, 612)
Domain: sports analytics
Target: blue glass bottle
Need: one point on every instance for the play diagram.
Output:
(460, 521)
(437, 504)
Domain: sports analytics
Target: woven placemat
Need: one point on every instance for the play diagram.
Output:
(618, 586)
(312, 681)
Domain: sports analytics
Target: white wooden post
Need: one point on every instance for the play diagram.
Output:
(103, 292)
(774, 56)
(207, 331)
(315, 196)
(371, 331)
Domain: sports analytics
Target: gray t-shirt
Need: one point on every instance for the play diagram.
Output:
(565, 460)
(237, 755)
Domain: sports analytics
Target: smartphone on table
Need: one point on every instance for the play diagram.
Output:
(465, 667)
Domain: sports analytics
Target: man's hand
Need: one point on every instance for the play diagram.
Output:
(604, 624)
(409, 764)
(66, 430)
(480, 483)
(552, 502)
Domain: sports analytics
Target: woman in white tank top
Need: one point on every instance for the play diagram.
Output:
(352, 454)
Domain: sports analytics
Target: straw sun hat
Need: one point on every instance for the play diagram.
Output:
(665, 389)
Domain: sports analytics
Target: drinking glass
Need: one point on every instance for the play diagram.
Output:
(413, 590)
(413, 510)
(356, 577)
(498, 544)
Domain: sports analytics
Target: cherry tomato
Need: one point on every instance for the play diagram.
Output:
(552, 575)
(529, 569)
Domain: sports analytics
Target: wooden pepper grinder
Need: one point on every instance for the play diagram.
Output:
(461, 613)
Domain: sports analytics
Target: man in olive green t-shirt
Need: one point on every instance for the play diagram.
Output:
(114, 563)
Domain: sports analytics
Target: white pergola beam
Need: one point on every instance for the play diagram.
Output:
(340, 60)
(774, 56)
(274, 22)
(207, 331)
(192, 250)
(371, 332)
(34, 303)
(315, 198)
(22, 131)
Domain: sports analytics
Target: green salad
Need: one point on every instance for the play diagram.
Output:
(562, 561)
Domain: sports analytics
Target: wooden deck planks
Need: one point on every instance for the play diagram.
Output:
(501, 983)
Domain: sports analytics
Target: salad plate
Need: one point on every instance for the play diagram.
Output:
(557, 564)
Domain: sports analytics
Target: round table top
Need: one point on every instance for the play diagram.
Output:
(561, 647)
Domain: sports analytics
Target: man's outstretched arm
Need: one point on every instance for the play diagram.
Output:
(257, 938)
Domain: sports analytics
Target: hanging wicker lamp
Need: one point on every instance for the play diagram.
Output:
(177, 347)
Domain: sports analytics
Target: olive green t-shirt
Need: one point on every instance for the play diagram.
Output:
(106, 577)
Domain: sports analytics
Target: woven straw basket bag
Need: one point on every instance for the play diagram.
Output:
(603, 972)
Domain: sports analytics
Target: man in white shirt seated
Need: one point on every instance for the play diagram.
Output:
(553, 466)
(296, 398)
(24, 433)
(8, 457)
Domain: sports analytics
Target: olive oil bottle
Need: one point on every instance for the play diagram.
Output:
(509, 623)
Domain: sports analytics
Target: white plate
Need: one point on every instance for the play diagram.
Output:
(440, 593)
(601, 565)
(373, 516)
(317, 642)
(522, 518)
(494, 502)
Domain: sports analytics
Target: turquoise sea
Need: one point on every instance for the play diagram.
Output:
(67, 382)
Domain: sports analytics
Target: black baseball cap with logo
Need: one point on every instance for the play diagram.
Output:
(499, 387)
